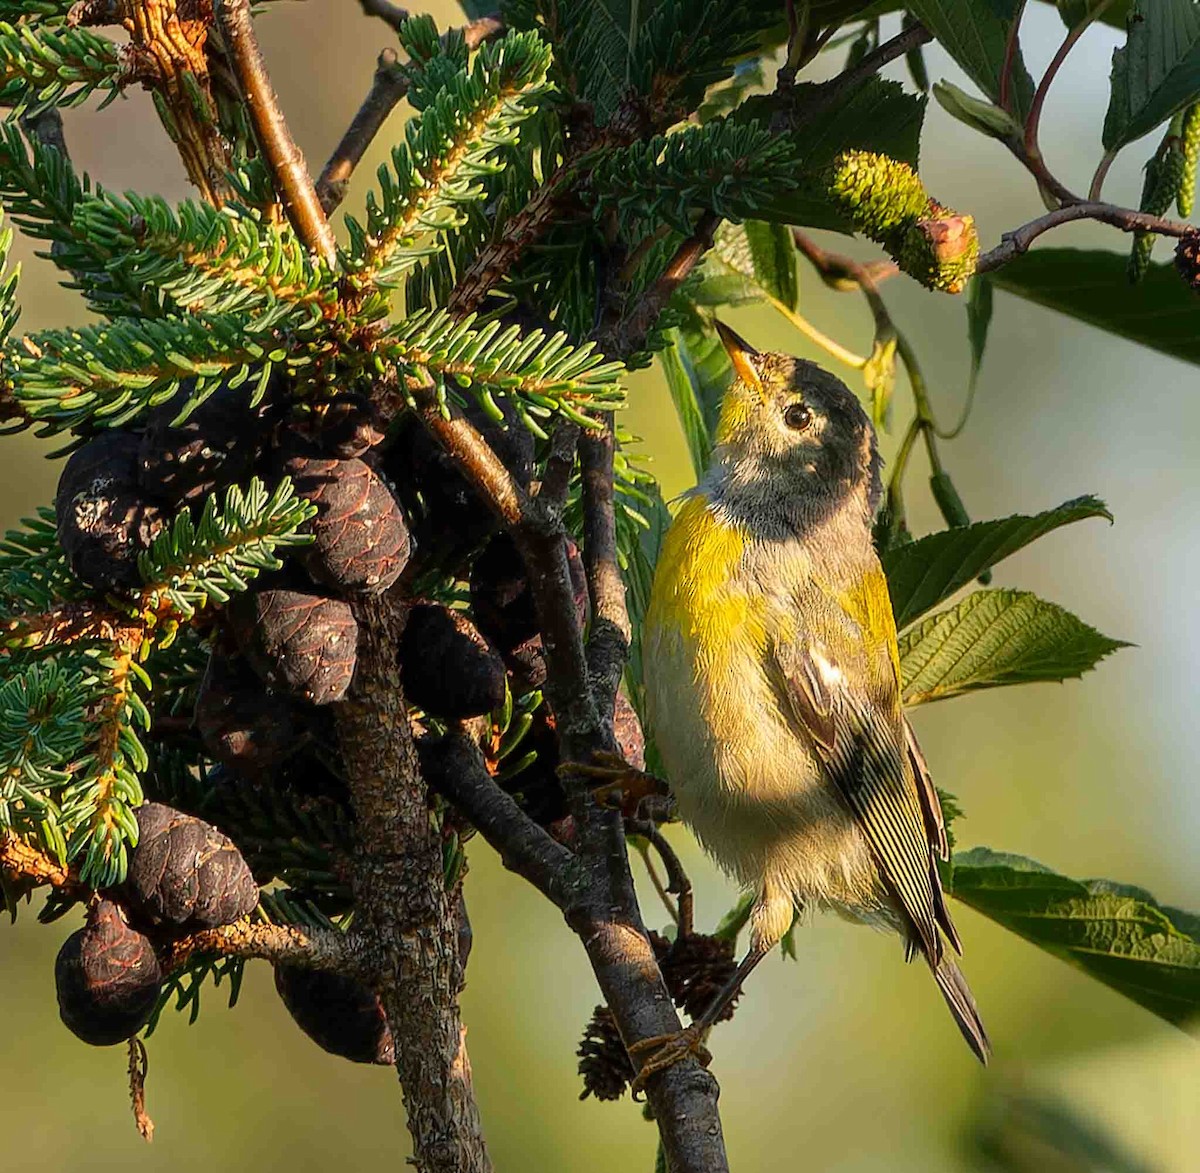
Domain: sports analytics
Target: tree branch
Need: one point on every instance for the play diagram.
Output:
(283, 156)
(1013, 244)
(406, 920)
(26, 867)
(391, 14)
(314, 948)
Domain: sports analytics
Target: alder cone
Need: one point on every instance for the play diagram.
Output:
(107, 978)
(339, 1014)
(216, 446)
(185, 872)
(360, 538)
(1187, 259)
(446, 666)
(241, 723)
(302, 644)
(103, 521)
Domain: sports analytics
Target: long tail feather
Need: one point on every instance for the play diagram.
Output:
(962, 1005)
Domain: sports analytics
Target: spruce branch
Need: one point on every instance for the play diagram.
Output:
(283, 156)
(111, 374)
(310, 946)
(204, 258)
(454, 144)
(69, 624)
(538, 375)
(34, 574)
(63, 67)
(191, 565)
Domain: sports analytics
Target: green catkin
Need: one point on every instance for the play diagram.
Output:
(1165, 173)
(1190, 136)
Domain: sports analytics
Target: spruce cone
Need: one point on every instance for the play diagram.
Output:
(346, 427)
(103, 522)
(302, 644)
(339, 1014)
(216, 446)
(107, 978)
(603, 1061)
(1187, 259)
(503, 608)
(446, 666)
(241, 723)
(185, 872)
(360, 538)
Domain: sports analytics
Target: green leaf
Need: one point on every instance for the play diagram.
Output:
(773, 258)
(685, 396)
(921, 574)
(975, 34)
(698, 371)
(979, 319)
(1156, 73)
(1160, 312)
(994, 638)
(976, 113)
(1117, 933)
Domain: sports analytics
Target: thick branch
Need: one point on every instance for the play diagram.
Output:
(313, 948)
(279, 149)
(26, 867)
(523, 846)
(406, 919)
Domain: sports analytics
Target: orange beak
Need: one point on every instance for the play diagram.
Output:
(741, 354)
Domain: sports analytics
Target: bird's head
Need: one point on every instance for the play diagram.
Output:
(792, 436)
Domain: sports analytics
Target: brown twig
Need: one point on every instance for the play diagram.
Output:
(26, 867)
(314, 948)
(679, 883)
(391, 14)
(138, 1067)
(560, 463)
(1011, 45)
(1013, 244)
(388, 88)
(71, 623)
(283, 156)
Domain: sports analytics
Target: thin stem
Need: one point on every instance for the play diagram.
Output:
(656, 882)
(1097, 184)
(283, 156)
(1010, 57)
(679, 883)
(829, 345)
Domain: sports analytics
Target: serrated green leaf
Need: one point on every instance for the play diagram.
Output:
(1118, 934)
(1156, 73)
(698, 371)
(921, 574)
(773, 257)
(994, 638)
(1160, 312)
(684, 395)
(975, 34)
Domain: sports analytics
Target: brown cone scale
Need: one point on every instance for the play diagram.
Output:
(446, 666)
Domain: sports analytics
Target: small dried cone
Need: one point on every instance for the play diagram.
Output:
(338, 1013)
(603, 1060)
(103, 520)
(300, 643)
(216, 446)
(1187, 259)
(448, 668)
(107, 978)
(360, 538)
(185, 872)
(241, 723)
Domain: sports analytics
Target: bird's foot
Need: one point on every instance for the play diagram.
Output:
(663, 1051)
(620, 785)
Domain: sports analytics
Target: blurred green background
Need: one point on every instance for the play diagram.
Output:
(845, 1061)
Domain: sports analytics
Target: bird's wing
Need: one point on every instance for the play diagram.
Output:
(863, 745)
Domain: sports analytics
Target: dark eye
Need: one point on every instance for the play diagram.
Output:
(798, 417)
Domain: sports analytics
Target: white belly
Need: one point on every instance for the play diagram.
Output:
(748, 786)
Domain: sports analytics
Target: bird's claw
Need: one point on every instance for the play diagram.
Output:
(621, 786)
(663, 1051)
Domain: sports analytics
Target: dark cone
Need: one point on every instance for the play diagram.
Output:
(107, 978)
(302, 644)
(603, 1061)
(360, 538)
(216, 446)
(448, 668)
(1187, 259)
(103, 521)
(696, 969)
(339, 1014)
(241, 723)
(185, 872)
(345, 427)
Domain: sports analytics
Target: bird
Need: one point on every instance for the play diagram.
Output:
(773, 685)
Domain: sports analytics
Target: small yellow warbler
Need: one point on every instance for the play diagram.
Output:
(773, 679)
